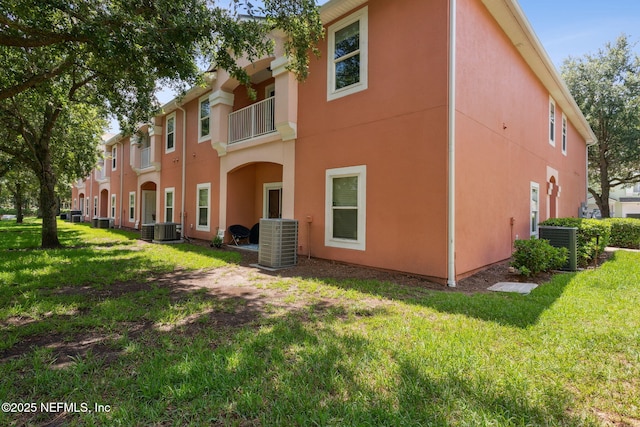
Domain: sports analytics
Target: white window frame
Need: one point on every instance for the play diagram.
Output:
(95, 206)
(82, 203)
(132, 206)
(170, 117)
(329, 240)
(362, 16)
(201, 137)
(564, 134)
(265, 197)
(534, 208)
(114, 158)
(204, 186)
(172, 190)
(552, 122)
(113, 206)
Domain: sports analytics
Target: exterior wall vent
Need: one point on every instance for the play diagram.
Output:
(278, 243)
(164, 231)
(563, 237)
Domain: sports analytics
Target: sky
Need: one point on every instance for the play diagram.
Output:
(578, 27)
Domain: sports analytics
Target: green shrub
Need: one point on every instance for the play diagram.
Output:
(625, 232)
(534, 256)
(593, 236)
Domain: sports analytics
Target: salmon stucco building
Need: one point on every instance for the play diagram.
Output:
(428, 137)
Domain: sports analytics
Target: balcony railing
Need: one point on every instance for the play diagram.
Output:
(145, 157)
(252, 121)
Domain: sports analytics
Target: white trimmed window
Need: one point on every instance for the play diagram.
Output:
(113, 206)
(95, 206)
(535, 208)
(170, 138)
(552, 122)
(204, 112)
(168, 204)
(347, 59)
(81, 205)
(202, 206)
(345, 216)
(114, 157)
(87, 208)
(564, 134)
(132, 206)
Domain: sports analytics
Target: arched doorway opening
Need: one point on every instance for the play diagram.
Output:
(254, 191)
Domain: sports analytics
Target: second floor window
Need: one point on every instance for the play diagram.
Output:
(171, 134)
(564, 135)
(203, 125)
(348, 55)
(552, 122)
(114, 158)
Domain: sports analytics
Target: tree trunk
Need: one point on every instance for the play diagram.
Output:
(48, 206)
(19, 202)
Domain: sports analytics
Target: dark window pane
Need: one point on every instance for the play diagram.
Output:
(345, 224)
(203, 217)
(345, 191)
(204, 128)
(347, 40)
(348, 72)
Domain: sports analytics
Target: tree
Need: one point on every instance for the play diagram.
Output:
(53, 133)
(606, 87)
(62, 58)
(20, 183)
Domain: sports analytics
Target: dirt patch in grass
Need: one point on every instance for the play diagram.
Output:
(247, 293)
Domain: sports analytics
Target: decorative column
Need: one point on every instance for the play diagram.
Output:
(286, 108)
(221, 104)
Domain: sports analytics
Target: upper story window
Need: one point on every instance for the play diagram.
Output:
(170, 140)
(552, 122)
(114, 157)
(348, 55)
(564, 134)
(203, 123)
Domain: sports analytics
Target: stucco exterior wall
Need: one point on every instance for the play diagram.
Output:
(397, 128)
(502, 144)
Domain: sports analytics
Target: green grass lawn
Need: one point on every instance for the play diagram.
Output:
(356, 353)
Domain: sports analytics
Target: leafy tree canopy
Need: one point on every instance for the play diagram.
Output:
(606, 86)
(66, 63)
(126, 47)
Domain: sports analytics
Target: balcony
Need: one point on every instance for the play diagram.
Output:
(252, 121)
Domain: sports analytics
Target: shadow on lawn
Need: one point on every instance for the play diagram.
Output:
(507, 309)
(232, 361)
(295, 369)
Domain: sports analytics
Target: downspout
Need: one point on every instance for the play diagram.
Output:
(451, 196)
(184, 166)
(121, 186)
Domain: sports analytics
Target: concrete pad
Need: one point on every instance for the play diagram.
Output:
(521, 288)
